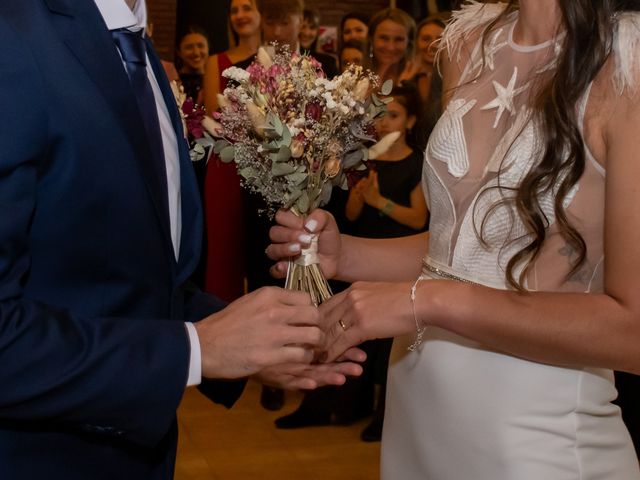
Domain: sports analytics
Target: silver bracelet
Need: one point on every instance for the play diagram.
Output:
(419, 330)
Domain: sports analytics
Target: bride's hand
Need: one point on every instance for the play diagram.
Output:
(366, 311)
(293, 233)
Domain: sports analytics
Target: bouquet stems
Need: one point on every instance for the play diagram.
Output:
(304, 274)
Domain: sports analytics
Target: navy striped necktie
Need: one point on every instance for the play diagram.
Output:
(132, 47)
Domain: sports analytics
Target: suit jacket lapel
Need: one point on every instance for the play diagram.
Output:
(84, 32)
(191, 235)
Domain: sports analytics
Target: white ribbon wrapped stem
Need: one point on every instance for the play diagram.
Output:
(309, 256)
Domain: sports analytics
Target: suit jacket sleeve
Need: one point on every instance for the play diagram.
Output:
(199, 305)
(112, 376)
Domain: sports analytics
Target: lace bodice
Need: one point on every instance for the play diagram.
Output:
(487, 138)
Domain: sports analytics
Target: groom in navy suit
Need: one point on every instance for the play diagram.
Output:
(100, 229)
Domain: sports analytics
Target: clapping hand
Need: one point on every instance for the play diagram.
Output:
(371, 190)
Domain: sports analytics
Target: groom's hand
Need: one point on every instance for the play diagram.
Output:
(297, 376)
(267, 327)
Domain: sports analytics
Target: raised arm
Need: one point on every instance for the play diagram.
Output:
(342, 256)
(570, 329)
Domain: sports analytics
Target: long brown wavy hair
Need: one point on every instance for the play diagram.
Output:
(589, 28)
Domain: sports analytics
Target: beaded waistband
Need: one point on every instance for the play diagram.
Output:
(433, 267)
(446, 275)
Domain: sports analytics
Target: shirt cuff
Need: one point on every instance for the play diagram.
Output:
(195, 358)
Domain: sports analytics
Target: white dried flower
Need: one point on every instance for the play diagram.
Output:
(293, 130)
(178, 93)
(258, 119)
(330, 85)
(223, 101)
(331, 104)
(259, 99)
(383, 145)
(264, 58)
(362, 89)
(237, 74)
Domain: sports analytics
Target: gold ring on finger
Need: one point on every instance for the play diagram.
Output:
(343, 325)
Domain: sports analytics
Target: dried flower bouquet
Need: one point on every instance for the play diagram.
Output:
(295, 134)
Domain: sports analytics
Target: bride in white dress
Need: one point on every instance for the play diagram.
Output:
(527, 296)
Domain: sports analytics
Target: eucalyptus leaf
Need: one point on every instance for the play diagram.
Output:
(303, 203)
(271, 134)
(272, 146)
(355, 131)
(283, 154)
(286, 136)
(291, 198)
(325, 194)
(351, 159)
(297, 178)
(227, 154)
(205, 141)
(248, 173)
(219, 145)
(280, 169)
(274, 122)
(387, 87)
(197, 153)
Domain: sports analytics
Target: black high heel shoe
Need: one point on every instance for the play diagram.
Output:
(272, 398)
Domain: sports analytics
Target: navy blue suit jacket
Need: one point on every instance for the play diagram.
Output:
(93, 349)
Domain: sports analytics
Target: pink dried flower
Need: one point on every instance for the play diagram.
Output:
(193, 115)
(313, 111)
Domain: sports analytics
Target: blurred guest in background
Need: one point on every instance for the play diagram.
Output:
(353, 52)
(244, 19)
(354, 26)
(192, 54)
(424, 74)
(391, 38)
(308, 35)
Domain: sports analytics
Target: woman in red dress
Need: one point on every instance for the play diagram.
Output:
(223, 209)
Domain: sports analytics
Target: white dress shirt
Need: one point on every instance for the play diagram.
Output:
(117, 14)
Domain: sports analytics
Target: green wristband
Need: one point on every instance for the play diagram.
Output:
(388, 208)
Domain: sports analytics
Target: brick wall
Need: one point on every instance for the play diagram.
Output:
(331, 11)
(162, 13)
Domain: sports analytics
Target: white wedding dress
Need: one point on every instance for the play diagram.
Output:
(457, 410)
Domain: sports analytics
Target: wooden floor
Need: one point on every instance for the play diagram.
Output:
(243, 444)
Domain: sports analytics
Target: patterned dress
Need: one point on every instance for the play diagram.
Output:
(457, 410)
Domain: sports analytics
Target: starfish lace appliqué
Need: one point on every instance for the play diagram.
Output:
(504, 97)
